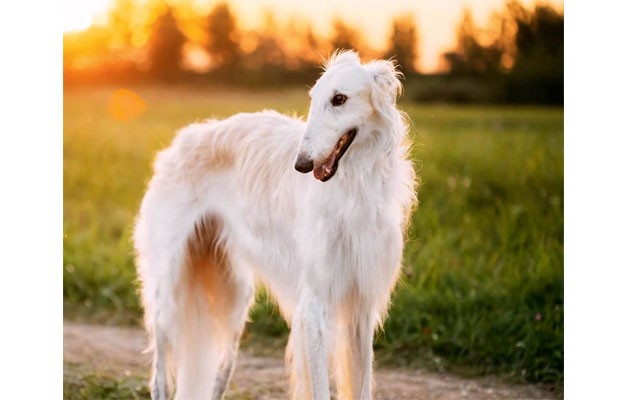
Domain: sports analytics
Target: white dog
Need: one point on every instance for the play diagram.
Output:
(226, 208)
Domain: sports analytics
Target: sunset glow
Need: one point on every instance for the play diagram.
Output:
(79, 14)
(436, 20)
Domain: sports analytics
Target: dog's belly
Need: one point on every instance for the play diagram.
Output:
(334, 258)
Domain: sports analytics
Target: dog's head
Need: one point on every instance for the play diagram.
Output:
(346, 98)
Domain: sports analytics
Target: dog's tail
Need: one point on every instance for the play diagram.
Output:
(188, 298)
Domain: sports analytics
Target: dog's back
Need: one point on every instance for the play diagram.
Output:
(214, 146)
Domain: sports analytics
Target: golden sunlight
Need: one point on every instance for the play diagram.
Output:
(79, 14)
(437, 22)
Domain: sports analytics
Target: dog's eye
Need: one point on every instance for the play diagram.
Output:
(338, 99)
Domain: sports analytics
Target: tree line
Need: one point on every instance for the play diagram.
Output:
(517, 58)
(124, 48)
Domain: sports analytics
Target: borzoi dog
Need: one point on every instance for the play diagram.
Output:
(230, 204)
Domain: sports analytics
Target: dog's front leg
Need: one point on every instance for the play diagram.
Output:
(362, 347)
(353, 353)
(307, 350)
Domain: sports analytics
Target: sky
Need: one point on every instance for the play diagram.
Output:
(436, 19)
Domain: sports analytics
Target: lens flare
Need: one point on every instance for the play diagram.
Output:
(126, 105)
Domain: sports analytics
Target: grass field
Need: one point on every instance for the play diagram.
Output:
(482, 290)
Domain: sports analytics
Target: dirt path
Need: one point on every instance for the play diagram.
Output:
(118, 351)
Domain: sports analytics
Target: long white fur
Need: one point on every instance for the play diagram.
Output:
(329, 253)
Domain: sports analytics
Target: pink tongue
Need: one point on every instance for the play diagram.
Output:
(324, 169)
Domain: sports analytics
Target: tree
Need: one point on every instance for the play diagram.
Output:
(520, 58)
(404, 43)
(538, 71)
(471, 57)
(539, 40)
(344, 36)
(222, 40)
(268, 52)
(120, 23)
(165, 46)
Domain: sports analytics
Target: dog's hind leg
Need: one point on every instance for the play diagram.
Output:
(226, 369)
(160, 320)
(232, 325)
(224, 373)
(159, 384)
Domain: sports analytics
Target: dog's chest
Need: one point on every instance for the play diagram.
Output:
(359, 237)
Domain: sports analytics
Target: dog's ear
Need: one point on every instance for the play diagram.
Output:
(386, 84)
(342, 57)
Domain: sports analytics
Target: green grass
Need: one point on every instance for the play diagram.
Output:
(484, 267)
(80, 385)
(482, 290)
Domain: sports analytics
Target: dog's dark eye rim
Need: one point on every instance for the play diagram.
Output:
(338, 99)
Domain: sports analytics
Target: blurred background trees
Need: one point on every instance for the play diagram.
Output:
(165, 47)
(345, 36)
(223, 38)
(471, 57)
(538, 68)
(403, 43)
(517, 58)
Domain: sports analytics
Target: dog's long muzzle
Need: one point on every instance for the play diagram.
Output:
(304, 164)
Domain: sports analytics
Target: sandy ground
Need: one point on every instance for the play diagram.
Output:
(117, 351)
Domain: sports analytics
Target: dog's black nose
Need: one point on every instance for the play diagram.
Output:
(304, 164)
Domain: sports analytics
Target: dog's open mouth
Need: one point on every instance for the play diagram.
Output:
(328, 167)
